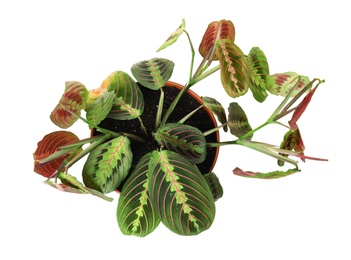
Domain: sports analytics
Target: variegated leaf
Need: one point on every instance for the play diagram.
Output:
(128, 102)
(74, 100)
(292, 142)
(108, 165)
(259, 71)
(180, 194)
(72, 185)
(217, 30)
(173, 37)
(153, 73)
(135, 212)
(269, 175)
(214, 184)
(216, 108)
(100, 108)
(49, 145)
(282, 83)
(237, 121)
(233, 68)
(186, 140)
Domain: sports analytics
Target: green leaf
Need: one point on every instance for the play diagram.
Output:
(259, 71)
(223, 29)
(153, 73)
(128, 102)
(282, 83)
(238, 122)
(180, 194)
(135, 212)
(108, 165)
(233, 68)
(214, 184)
(74, 100)
(216, 108)
(72, 185)
(100, 109)
(269, 175)
(186, 140)
(173, 37)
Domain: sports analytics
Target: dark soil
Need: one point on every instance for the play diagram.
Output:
(187, 103)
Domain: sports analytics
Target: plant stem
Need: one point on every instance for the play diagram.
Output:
(174, 104)
(205, 74)
(192, 55)
(142, 126)
(88, 150)
(189, 115)
(159, 109)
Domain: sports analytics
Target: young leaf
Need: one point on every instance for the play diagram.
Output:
(300, 109)
(108, 165)
(186, 140)
(214, 184)
(259, 71)
(216, 108)
(292, 140)
(74, 100)
(217, 30)
(128, 102)
(135, 212)
(49, 145)
(173, 37)
(100, 108)
(233, 68)
(269, 175)
(153, 73)
(282, 83)
(237, 121)
(72, 185)
(180, 194)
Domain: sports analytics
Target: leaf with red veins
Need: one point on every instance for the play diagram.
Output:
(217, 30)
(269, 175)
(49, 145)
(73, 100)
(301, 109)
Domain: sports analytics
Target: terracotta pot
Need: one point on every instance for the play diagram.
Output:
(205, 117)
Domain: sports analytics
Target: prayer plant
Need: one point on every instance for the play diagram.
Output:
(166, 185)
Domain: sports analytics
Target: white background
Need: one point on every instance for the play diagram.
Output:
(304, 216)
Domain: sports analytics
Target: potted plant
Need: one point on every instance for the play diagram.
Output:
(156, 142)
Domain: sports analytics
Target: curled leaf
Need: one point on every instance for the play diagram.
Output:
(300, 109)
(268, 175)
(73, 100)
(173, 37)
(72, 185)
(292, 142)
